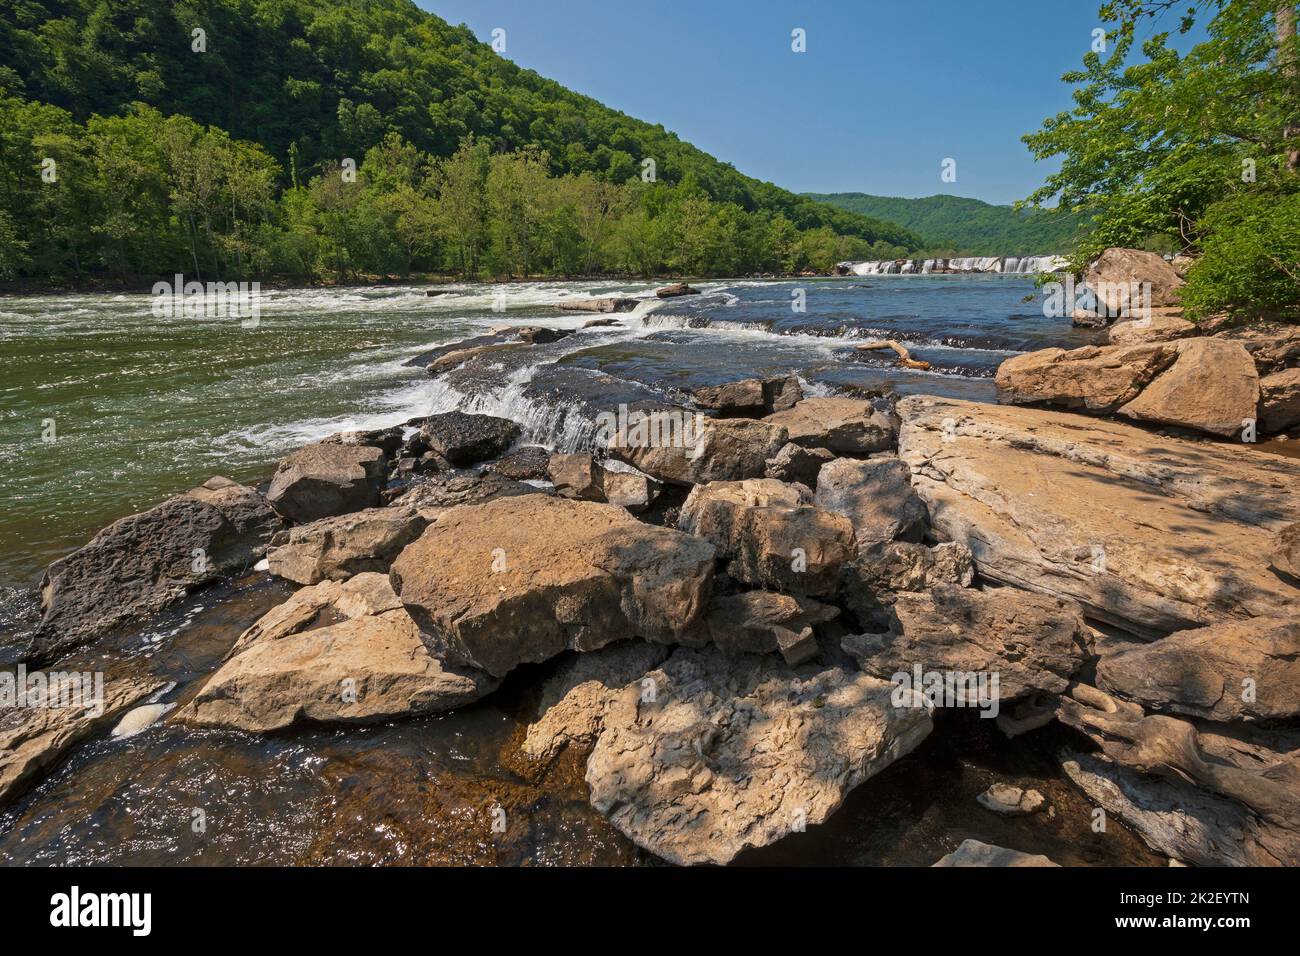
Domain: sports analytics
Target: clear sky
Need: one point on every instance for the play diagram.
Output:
(885, 92)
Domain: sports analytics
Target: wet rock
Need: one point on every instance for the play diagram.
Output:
(1093, 379)
(1207, 796)
(752, 397)
(729, 753)
(675, 290)
(876, 496)
(578, 476)
(975, 853)
(339, 547)
(364, 670)
(436, 494)
(1240, 670)
(572, 709)
(1279, 401)
(327, 479)
(140, 564)
(521, 579)
(794, 463)
(1211, 387)
(523, 464)
(606, 304)
(764, 622)
(1151, 534)
(1030, 641)
(1009, 801)
(717, 450)
(140, 719)
(846, 426)
(770, 535)
(464, 439)
(34, 737)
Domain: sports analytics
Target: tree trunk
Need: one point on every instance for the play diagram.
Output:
(1286, 57)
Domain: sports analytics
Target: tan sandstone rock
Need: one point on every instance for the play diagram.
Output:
(1279, 400)
(975, 853)
(337, 548)
(728, 449)
(1212, 387)
(846, 426)
(1094, 379)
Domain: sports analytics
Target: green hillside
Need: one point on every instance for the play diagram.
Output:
(960, 226)
(292, 88)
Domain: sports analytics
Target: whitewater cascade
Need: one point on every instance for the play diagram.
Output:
(1007, 265)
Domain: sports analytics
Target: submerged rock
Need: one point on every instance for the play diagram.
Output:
(675, 290)
(33, 737)
(1148, 533)
(1009, 801)
(521, 579)
(339, 547)
(326, 479)
(606, 304)
(770, 534)
(709, 755)
(975, 853)
(140, 564)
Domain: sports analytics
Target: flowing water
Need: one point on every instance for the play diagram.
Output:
(142, 408)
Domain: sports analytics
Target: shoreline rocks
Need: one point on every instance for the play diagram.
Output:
(327, 479)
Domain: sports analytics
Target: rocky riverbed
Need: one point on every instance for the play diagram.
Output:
(763, 623)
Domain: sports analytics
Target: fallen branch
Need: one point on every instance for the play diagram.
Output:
(904, 358)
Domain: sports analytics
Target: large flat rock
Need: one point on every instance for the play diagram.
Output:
(521, 579)
(709, 755)
(1149, 533)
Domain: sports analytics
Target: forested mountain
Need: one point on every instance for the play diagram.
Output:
(157, 107)
(956, 225)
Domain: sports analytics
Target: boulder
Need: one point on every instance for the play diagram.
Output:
(1092, 379)
(975, 853)
(709, 755)
(1164, 325)
(1239, 670)
(521, 579)
(364, 670)
(1008, 801)
(1286, 552)
(464, 439)
(1149, 533)
(721, 450)
(528, 463)
(1029, 641)
(751, 397)
(1212, 387)
(871, 582)
(795, 463)
(846, 426)
(339, 547)
(387, 440)
(577, 476)
(1112, 276)
(33, 737)
(605, 304)
(368, 593)
(764, 622)
(675, 290)
(876, 496)
(572, 709)
(630, 489)
(140, 564)
(770, 535)
(327, 479)
(1279, 401)
(1273, 347)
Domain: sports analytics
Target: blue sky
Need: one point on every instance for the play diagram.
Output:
(885, 92)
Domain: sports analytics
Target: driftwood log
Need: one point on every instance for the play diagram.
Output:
(904, 357)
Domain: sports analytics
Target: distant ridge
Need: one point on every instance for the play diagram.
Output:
(967, 227)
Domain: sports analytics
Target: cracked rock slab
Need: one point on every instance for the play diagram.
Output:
(723, 754)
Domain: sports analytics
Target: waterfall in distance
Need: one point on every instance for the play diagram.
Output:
(1006, 265)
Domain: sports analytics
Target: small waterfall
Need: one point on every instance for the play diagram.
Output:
(1005, 265)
